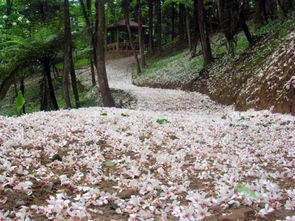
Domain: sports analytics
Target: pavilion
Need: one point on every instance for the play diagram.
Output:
(120, 26)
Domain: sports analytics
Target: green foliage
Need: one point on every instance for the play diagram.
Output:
(124, 115)
(163, 121)
(245, 190)
(19, 103)
(109, 163)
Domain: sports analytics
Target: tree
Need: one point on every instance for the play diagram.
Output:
(105, 91)
(126, 10)
(86, 9)
(204, 35)
(67, 54)
(151, 26)
(140, 35)
(260, 13)
(158, 27)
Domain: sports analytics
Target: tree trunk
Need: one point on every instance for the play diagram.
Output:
(244, 25)
(281, 10)
(9, 4)
(67, 54)
(47, 71)
(260, 12)
(126, 9)
(74, 82)
(151, 37)
(22, 88)
(105, 91)
(188, 31)
(87, 16)
(204, 35)
(196, 30)
(173, 14)
(141, 36)
(92, 72)
(181, 21)
(43, 94)
(158, 28)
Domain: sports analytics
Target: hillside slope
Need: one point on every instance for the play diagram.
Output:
(269, 87)
(257, 76)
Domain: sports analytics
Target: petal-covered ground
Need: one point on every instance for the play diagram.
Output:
(184, 158)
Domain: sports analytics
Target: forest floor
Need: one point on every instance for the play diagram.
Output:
(176, 156)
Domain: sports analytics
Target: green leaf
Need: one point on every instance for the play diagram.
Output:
(20, 102)
(109, 163)
(104, 114)
(124, 115)
(244, 189)
(163, 121)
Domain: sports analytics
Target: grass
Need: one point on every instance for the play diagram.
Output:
(172, 69)
(83, 62)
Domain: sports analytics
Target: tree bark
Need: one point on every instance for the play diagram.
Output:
(244, 25)
(188, 31)
(158, 28)
(151, 23)
(141, 36)
(22, 88)
(204, 35)
(173, 14)
(47, 72)
(181, 21)
(92, 73)
(67, 52)
(43, 94)
(86, 9)
(260, 12)
(74, 82)
(126, 9)
(105, 91)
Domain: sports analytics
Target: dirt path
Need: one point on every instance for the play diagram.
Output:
(156, 99)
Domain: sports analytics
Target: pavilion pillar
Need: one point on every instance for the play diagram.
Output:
(117, 39)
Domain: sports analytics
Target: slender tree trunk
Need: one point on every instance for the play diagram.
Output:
(141, 36)
(74, 82)
(151, 23)
(158, 28)
(260, 12)
(43, 94)
(281, 10)
(188, 31)
(47, 71)
(204, 35)
(87, 16)
(67, 54)
(181, 21)
(22, 88)
(105, 91)
(196, 30)
(126, 9)
(92, 73)
(173, 13)
(244, 25)
(9, 4)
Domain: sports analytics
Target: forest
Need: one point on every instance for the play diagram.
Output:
(147, 110)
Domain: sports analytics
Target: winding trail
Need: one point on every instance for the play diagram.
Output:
(156, 99)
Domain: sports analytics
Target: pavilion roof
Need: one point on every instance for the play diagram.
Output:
(121, 25)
